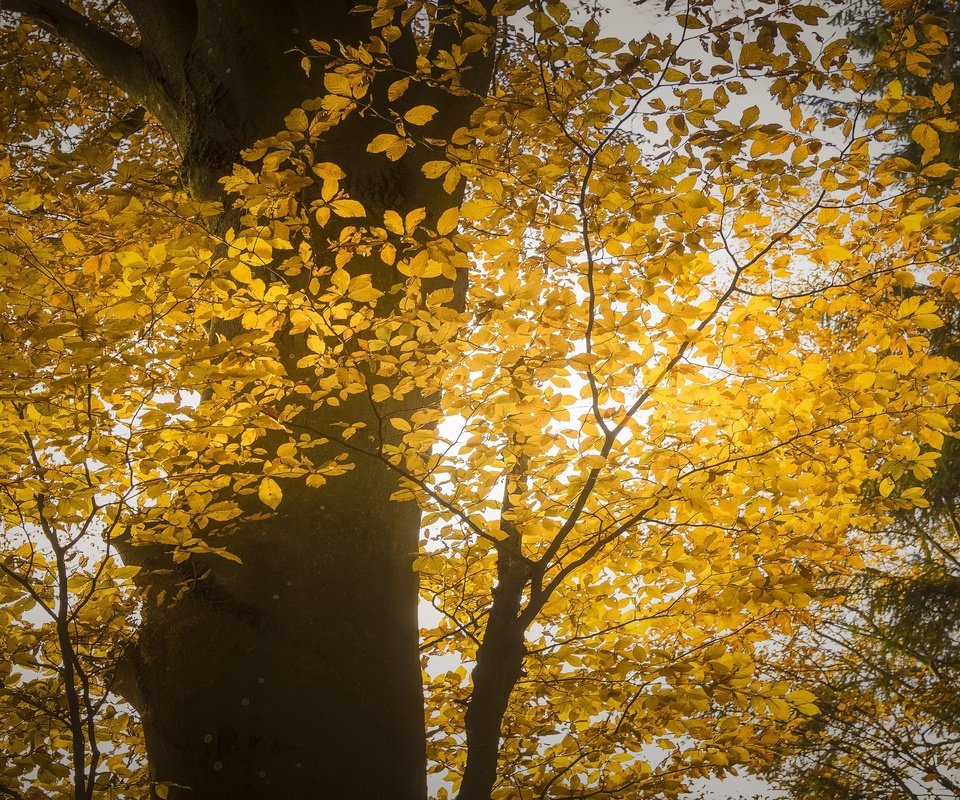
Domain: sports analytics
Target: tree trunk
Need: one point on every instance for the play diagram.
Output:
(498, 667)
(295, 675)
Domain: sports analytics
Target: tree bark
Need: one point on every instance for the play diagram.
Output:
(498, 667)
(295, 675)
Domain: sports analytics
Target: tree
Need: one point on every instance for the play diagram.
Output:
(927, 30)
(258, 371)
(885, 660)
(885, 664)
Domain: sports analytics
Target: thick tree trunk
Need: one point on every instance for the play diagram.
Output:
(295, 675)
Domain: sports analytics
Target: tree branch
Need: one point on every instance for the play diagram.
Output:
(117, 60)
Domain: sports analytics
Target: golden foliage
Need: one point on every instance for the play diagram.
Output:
(694, 341)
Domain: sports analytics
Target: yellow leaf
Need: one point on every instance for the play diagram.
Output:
(799, 155)
(157, 254)
(915, 494)
(337, 84)
(27, 202)
(928, 138)
(71, 243)
(809, 14)
(129, 258)
(389, 143)
(420, 115)
(341, 279)
(270, 493)
(393, 222)
(329, 171)
(448, 221)
(691, 23)
(380, 392)
(912, 222)
(937, 170)
(328, 190)
(125, 310)
(413, 219)
(942, 92)
(928, 321)
(241, 273)
(362, 290)
(287, 451)
(396, 89)
(345, 207)
(451, 180)
(434, 169)
(296, 120)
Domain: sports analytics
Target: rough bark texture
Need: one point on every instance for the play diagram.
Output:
(296, 675)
